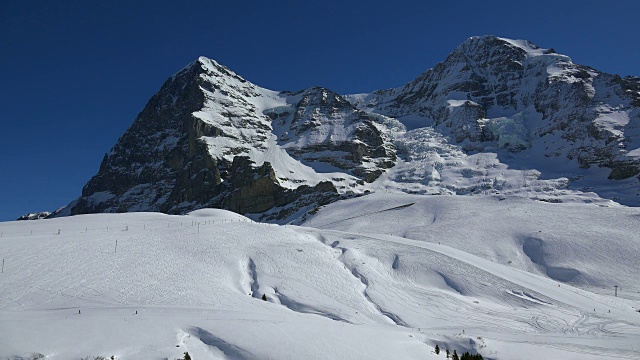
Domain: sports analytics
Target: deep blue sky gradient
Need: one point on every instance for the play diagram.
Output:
(74, 74)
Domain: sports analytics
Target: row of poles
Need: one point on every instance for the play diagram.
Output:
(115, 250)
(193, 223)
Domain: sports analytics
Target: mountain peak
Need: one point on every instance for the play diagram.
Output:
(525, 47)
(216, 69)
(205, 65)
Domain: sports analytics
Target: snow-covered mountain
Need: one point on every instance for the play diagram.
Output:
(497, 116)
(532, 107)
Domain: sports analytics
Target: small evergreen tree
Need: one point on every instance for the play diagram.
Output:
(187, 356)
(455, 356)
(448, 353)
(264, 297)
(467, 356)
(437, 349)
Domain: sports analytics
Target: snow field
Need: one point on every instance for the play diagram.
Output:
(358, 281)
(583, 244)
(200, 291)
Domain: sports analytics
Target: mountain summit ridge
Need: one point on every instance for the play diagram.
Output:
(497, 116)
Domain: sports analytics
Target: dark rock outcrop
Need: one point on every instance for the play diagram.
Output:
(335, 132)
(35, 216)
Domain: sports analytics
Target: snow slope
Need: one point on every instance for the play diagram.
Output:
(588, 245)
(335, 289)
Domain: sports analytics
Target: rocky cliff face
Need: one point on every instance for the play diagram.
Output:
(322, 126)
(205, 140)
(498, 115)
(35, 216)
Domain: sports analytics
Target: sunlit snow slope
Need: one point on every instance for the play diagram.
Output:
(350, 288)
(589, 246)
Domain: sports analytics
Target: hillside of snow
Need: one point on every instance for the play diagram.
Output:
(590, 246)
(383, 276)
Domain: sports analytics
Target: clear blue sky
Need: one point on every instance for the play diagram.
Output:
(74, 74)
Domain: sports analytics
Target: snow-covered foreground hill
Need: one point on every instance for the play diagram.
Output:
(356, 282)
(590, 246)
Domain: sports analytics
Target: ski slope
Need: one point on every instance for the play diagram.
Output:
(588, 245)
(347, 285)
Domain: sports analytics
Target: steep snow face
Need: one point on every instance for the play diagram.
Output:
(529, 48)
(235, 108)
(307, 137)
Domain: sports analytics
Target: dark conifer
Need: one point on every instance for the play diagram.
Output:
(437, 349)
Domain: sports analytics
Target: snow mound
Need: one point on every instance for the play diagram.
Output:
(217, 214)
